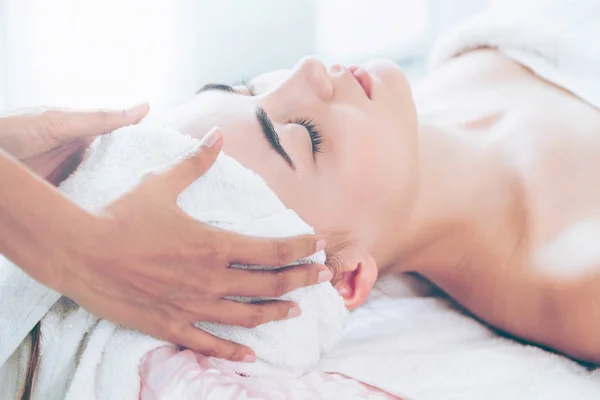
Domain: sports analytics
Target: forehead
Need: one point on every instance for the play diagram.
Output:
(263, 82)
(226, 107)
(226, 110)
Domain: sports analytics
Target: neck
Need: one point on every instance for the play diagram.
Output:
(467, 200)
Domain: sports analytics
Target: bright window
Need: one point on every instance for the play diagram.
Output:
(113, 53)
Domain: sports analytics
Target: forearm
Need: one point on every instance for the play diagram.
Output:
(34, 218)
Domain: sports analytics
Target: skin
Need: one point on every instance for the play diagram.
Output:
(129, 264)
(336, 191)
(471, 179)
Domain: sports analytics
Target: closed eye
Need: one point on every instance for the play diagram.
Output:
(311, 127)
(267, 124)
(313, 131)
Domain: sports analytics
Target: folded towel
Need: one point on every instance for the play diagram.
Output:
(557, 39)
(83, 357)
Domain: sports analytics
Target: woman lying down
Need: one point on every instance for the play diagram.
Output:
(482, 179)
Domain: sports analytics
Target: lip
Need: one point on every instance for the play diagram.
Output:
(363, 78)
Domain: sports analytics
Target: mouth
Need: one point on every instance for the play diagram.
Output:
(363, 78)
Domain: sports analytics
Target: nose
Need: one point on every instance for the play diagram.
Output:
(338, 69)
(313, 73)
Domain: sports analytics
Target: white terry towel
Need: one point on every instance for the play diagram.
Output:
(559, 40)
(412, 342)
(23, 302)
(87, 358)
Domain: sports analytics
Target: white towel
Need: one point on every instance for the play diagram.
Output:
(559, 40)
(410, 341)
(87, 358)
(23, 302)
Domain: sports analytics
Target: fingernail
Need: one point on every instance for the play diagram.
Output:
(324, 276)
(294, 312)
(137, 111)
(249, 358)
(320, 246)
(210, 138)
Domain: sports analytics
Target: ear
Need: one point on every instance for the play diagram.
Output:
(357, 280)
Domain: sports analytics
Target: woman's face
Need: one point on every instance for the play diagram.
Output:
(336, 144)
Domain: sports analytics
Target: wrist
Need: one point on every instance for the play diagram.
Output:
(41, 231)
(73, 248)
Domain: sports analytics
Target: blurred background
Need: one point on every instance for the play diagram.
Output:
(115, 53)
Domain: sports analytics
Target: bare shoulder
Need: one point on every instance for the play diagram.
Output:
(548, 136)
(550, 142)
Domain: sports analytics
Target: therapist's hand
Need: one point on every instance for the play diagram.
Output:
(153, 268)
(52, 142)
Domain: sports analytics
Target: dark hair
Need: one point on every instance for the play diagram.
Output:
(336, 242)
(34, 354)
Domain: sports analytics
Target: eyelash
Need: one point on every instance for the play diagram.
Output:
(313, 130)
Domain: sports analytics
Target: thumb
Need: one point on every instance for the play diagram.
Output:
(69, 125)
(193, 166)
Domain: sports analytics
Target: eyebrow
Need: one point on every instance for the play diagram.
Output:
(271, 135)
(264, 121)
(216, 86)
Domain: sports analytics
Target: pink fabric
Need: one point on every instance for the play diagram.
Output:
(170, 374)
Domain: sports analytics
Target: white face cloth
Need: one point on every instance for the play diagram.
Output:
(228, 196)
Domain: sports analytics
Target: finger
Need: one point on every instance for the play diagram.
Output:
(66, 125)
(190, 168)
(251, 315)
(274, 283)
(275, 252)
(211, 346)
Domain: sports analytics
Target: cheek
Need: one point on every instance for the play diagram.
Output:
(313, 199)
(376, 167)
(296, 193)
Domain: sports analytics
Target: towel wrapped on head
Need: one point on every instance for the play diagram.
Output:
(99, 360)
